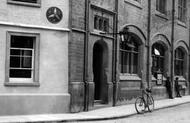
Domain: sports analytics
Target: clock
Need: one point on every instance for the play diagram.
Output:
(54, 15)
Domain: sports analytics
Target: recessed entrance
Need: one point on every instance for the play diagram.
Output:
(100, 58)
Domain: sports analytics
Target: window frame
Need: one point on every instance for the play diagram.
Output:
(160, 8)
(38, 4)
(34, 80)
(181, 61)
(101, 23)
(182, 10)
(130, 69)
(158, 59)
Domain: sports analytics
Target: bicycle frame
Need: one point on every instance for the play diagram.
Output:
(145, 100)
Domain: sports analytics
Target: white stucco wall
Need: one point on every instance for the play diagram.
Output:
(53, 59)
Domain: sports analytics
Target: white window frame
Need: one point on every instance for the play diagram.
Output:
(38, 4)
(34, 80)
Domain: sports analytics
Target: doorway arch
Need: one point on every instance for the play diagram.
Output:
(100, 67)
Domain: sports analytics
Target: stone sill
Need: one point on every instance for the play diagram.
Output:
(180, 23)
(133, 77)
(181, 78)
(12, 84)
(161, 15)
(98, 33)
(38, 5)
(134, 3)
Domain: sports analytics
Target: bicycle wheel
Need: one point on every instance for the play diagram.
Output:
(150, 103)
(140, 105)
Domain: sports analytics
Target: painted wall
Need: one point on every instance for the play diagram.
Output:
(51, 96)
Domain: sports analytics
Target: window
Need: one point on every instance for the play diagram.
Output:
(26, 2)
(129, 56)
(161, 6)
(182, 10)
(22, 57)
(179, 62)
(158, 53)
(101, 23)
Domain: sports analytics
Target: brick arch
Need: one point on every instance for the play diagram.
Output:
(161, 38)
(135, 30)
(164, 41)
(182, 44)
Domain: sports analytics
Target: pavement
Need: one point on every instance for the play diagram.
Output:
(102, 114)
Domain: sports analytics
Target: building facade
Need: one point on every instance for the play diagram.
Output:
(118, 47)
(91, 54)
(78, 55)
(34, 57)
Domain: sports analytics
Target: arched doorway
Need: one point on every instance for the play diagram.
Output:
(100, 63)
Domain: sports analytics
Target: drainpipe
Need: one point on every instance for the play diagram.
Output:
(115, 53)
(85, 73)
(148, 44)
(172, 47)
(188, 71)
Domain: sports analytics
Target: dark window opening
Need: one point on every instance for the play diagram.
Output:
(101, 23)
(129, 56)
(21, 56)
(161, 6)
(179, 62)
(182, 10)
(158, 53)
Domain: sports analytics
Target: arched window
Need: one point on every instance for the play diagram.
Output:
(179, 62)
(129, 56)
(158, 53)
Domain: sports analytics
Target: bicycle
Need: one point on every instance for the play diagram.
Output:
(144, 101)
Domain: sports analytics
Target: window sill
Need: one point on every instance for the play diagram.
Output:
(134, 77)
(12, 84)
(24, 3)
(134, 3)
(181, 78)
(180, 23)
(98, 33)
(161, 15)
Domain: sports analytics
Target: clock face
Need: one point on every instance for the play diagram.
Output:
(54, 15)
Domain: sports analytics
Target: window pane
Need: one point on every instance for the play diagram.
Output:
(21, 56)
(161, 6)
(17, 73)
(129, 56)
(15, 52)
(135, 63)
(95, 22)
(26, 62)
(26, 52)
(15, 62)
(182, 10)
(21, 42)
(179, 62)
